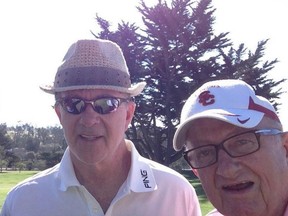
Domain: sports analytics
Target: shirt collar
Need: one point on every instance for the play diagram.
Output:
(66, 172)
(140, 177)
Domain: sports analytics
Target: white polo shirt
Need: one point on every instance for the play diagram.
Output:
(150, 189)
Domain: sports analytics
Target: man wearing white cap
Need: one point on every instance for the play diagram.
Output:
(101, 173)
(234, 142)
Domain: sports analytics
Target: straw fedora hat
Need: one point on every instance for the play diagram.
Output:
(94, 64)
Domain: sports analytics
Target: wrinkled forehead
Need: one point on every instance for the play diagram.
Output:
(208, 131)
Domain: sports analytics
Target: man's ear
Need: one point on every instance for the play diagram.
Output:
(195, 171)
(130, 113)
(285, 141)
(58, 111)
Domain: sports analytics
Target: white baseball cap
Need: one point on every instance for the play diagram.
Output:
(232, 101)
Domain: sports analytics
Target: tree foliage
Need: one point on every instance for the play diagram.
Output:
(33, 148)
(175, 51)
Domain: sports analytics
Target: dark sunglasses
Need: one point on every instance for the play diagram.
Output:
(102, 106)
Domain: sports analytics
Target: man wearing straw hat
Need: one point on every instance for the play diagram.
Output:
(101, 173)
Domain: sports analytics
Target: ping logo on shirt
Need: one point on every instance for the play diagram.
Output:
(145, 179)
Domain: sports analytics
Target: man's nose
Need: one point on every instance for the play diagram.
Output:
(227, 166)
(89, 117)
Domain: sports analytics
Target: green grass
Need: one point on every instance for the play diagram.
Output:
(205, 205)
(11, 178)
(8, 179)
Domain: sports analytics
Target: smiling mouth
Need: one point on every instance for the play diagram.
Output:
(238, 187)
(89, 138)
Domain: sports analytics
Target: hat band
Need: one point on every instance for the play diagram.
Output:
(91, 76)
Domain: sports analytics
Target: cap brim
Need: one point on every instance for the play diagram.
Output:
(237, 117)
(133, 90)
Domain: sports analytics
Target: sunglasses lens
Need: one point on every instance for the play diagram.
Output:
(100, 105)
(105, 105)
(73, 105)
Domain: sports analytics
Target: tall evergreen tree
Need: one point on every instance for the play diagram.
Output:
(175, 53)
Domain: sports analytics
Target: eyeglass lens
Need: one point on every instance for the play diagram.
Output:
(100, 105)
(236, 146)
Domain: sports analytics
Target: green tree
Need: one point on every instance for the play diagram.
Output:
(248, 66)
(25, 143)
(175, 52)
(5, 140)
(5, 145)
(183, 51)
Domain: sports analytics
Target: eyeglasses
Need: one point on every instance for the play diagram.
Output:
(236, 146)
(102, 106)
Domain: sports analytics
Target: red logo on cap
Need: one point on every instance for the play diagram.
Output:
(206, 98)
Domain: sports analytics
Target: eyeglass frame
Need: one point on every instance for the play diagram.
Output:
(220, 145)
(61, 101)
